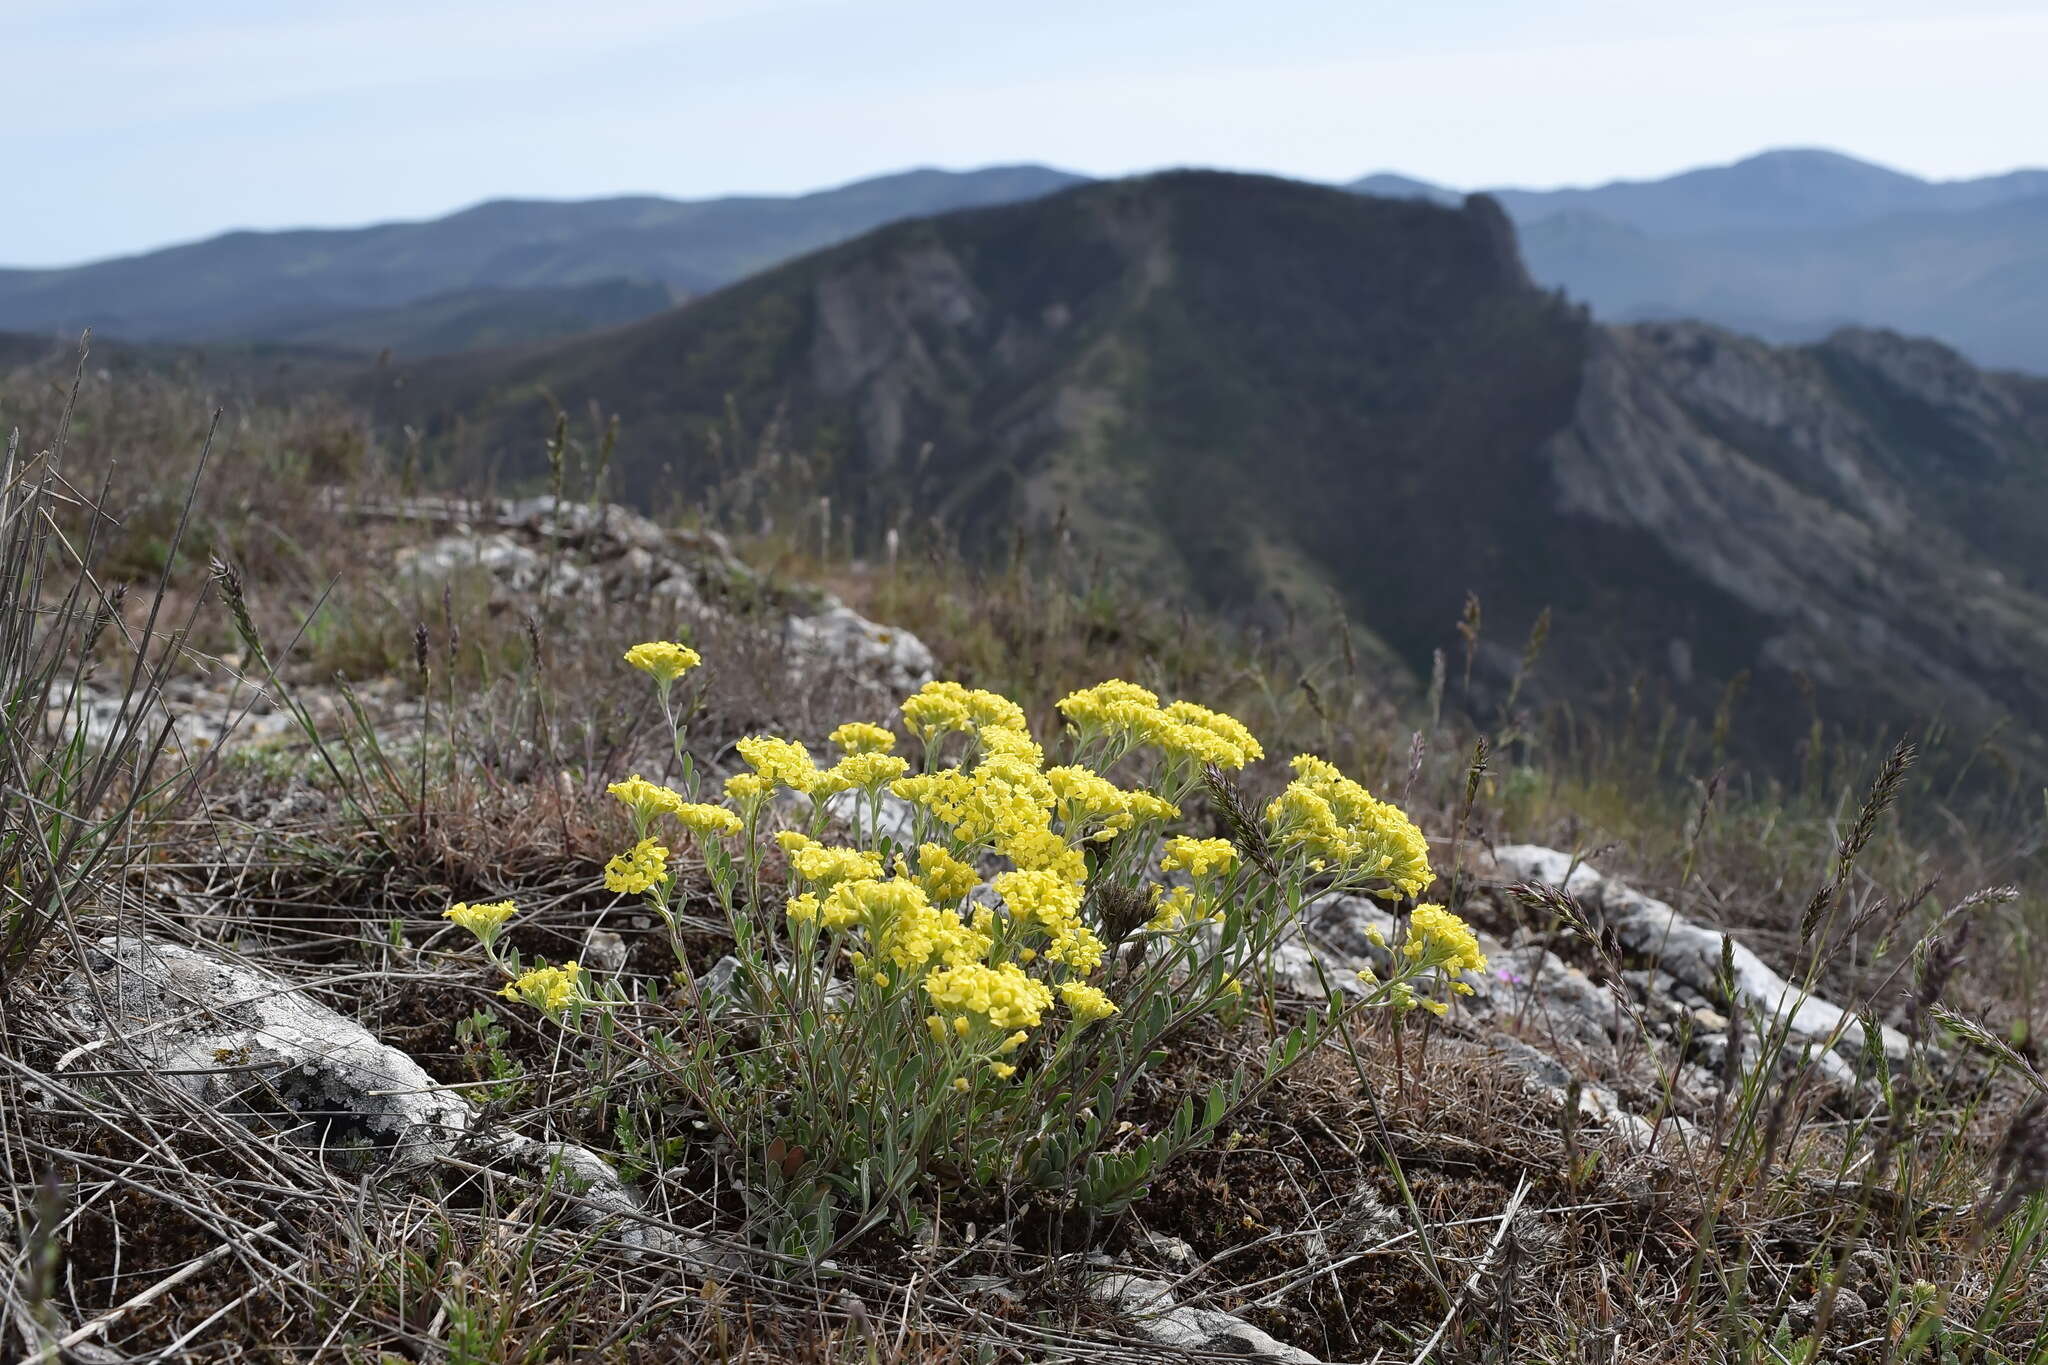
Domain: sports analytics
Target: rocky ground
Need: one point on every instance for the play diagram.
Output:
(1598, 999)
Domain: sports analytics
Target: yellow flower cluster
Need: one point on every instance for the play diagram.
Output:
(704, 820)
(1053, 903)
(647, 799)
(908, 930)
(1208, 736)
(1198, 857)
(1339, 824)
(944, 878)
(1126, 713)
(1085, 1002)
(940, 708)
(783, 762)
(546, 988)
(787, 763)
(859, 737)
(482, 920)
(640, 869)
(824, 865)
(663, 660)
(1172, 909)
(865, 771)
(1090, 806)
(748, 791)
(901, 923)
(995, 799)
(991, 972)
(1003, 995)
(1438, 938)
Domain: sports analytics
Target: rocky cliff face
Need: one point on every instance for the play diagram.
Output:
(1782, 480)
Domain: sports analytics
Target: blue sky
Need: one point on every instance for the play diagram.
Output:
(134, 123)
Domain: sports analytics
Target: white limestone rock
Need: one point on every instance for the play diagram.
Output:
(841, 643)
(263, 1050)
(1153, 1309)
(1688, 951)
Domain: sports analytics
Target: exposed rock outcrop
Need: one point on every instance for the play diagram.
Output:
(1837, 509)
(1154, 1309)
(265, 1051)
(1556, 1025)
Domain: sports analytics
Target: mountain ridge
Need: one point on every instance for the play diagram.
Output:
(225, 287)
(1764, 245)
(1787, 244)
(1238, 387)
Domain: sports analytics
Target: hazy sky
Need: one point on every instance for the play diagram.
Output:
(134, 123)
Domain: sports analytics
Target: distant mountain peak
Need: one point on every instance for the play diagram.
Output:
(247, 285)
(1394, 185)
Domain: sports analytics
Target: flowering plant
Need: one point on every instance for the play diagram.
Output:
(975, 956)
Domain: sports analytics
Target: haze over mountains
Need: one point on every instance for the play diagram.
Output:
(1791, 244)
(1236, 386)
(401, 284)
(1787, 245)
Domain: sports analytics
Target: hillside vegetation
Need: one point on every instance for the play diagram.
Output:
(308, 750)
(1252, 392)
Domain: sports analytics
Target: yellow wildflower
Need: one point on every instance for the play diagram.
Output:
(907, 928)
(1145, 807)
(1036, 848)
(1172, 909)
(1212, 736)
(783, 761)
(748, 790)
(859, 737)
(938, 708)
(945, 878)
(1046, 897)
(642, 868)
(1004, 995)
(1198, 857)
(866, 770)
(825, 866)
(647, 799)
(1053, 903)
(546, 988)
(1438, 938)
(1116, 709)
(935, 710)
(1003, 795)
(705, 820)
(1085, 1003)
(1324, 815)
(663, 660)
(1088, 805)
(484, 921)
(1011, 743)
